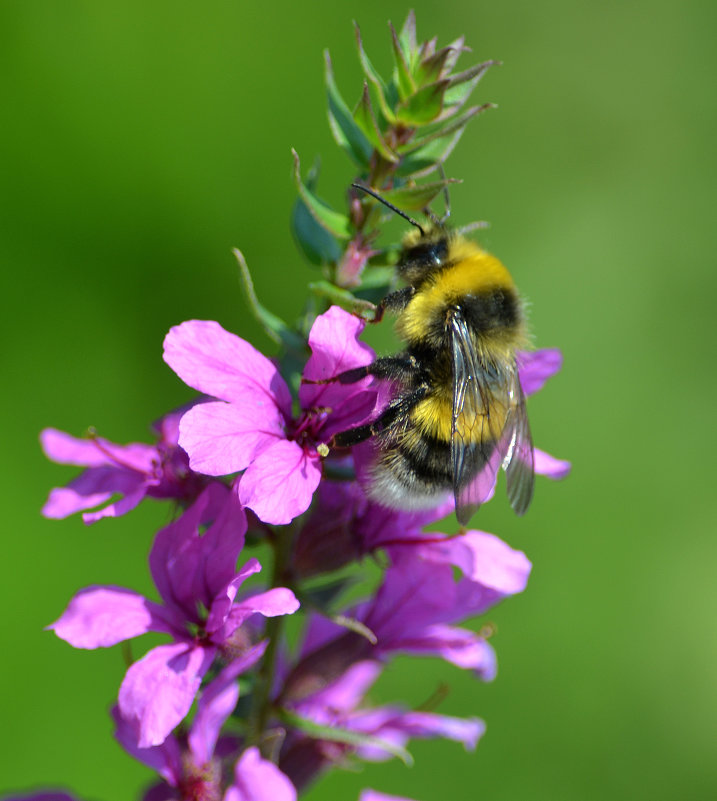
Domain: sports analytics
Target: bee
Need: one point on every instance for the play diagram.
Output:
(457, 415)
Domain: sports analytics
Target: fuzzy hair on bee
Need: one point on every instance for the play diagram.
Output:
(457, 415)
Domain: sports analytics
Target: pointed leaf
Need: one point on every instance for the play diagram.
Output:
(334, 222)
(457, 94)
(424, 106)
(443, 130)
(431, 69)
(335, 734)
(343, 298)
(274, 327)
(375, 79)
(417, 197)
(457, 47)
(427, 158)
(407, 34)
(478, 71)
(345, 131)
(366, 120)
(315, 242)
(404, 79)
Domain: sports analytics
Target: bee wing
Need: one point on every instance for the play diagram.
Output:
(474, 455)
(478, 449)
(517, 448)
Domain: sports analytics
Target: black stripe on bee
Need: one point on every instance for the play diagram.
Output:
(487, 311)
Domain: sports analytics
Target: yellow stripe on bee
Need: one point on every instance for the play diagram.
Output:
(433, 417)
(473, 272)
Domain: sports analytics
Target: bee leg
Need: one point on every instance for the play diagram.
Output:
(394, 301)
(389, 367)
(385, 420)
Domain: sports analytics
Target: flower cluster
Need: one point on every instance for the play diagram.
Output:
(252, 463)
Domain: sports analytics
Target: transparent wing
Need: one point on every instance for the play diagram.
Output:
(489, 428)
(517, 449)
(475, 457)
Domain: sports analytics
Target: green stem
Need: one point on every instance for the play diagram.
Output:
(262, 700)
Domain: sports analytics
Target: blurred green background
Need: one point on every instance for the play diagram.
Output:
(141, 141)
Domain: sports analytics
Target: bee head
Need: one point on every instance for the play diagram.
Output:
(422, 253)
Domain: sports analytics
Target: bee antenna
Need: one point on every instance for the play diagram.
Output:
(389, 205)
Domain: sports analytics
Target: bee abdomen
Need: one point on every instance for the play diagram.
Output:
(413, 471)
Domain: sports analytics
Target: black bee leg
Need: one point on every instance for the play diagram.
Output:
(385, 420)
(387, 367)
(394, 301)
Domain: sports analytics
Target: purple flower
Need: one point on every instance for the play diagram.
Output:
(197, 580)
(132, 471)
(413, 608)
(344, 526)
(257, 779)
(250, 427)
(381, 731)
(189, 763)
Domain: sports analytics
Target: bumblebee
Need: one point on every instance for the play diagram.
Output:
(458, 412)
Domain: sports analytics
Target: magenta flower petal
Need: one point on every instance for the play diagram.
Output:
(277, 601)
(536, 367)
(335, 348)
(92, 487)
(466, 731)
(460, 647)
(547, 465)
(279, 484)
(483, 558)
(98, 617)
(165, 759)
(158, 690)
(64, 501)
(121, 507)
(213, 361)
(189, 568)
(66, 449)
(257, 779)
(223, 438)
(216, 704)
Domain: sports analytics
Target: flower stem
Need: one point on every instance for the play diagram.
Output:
(261, 698)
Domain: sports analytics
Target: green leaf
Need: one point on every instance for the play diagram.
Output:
(315, 242)
(427, 158)
(404, 79)
(476, 72)
(274, 327)
(335, 223)
(336, 734)
(457, 47)
(433, 67)
(407, 35)
(347, 134)
(366, 121)
(442, 130)
(415, 198)
(424, 106)
(343, 298)
(374, 78)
